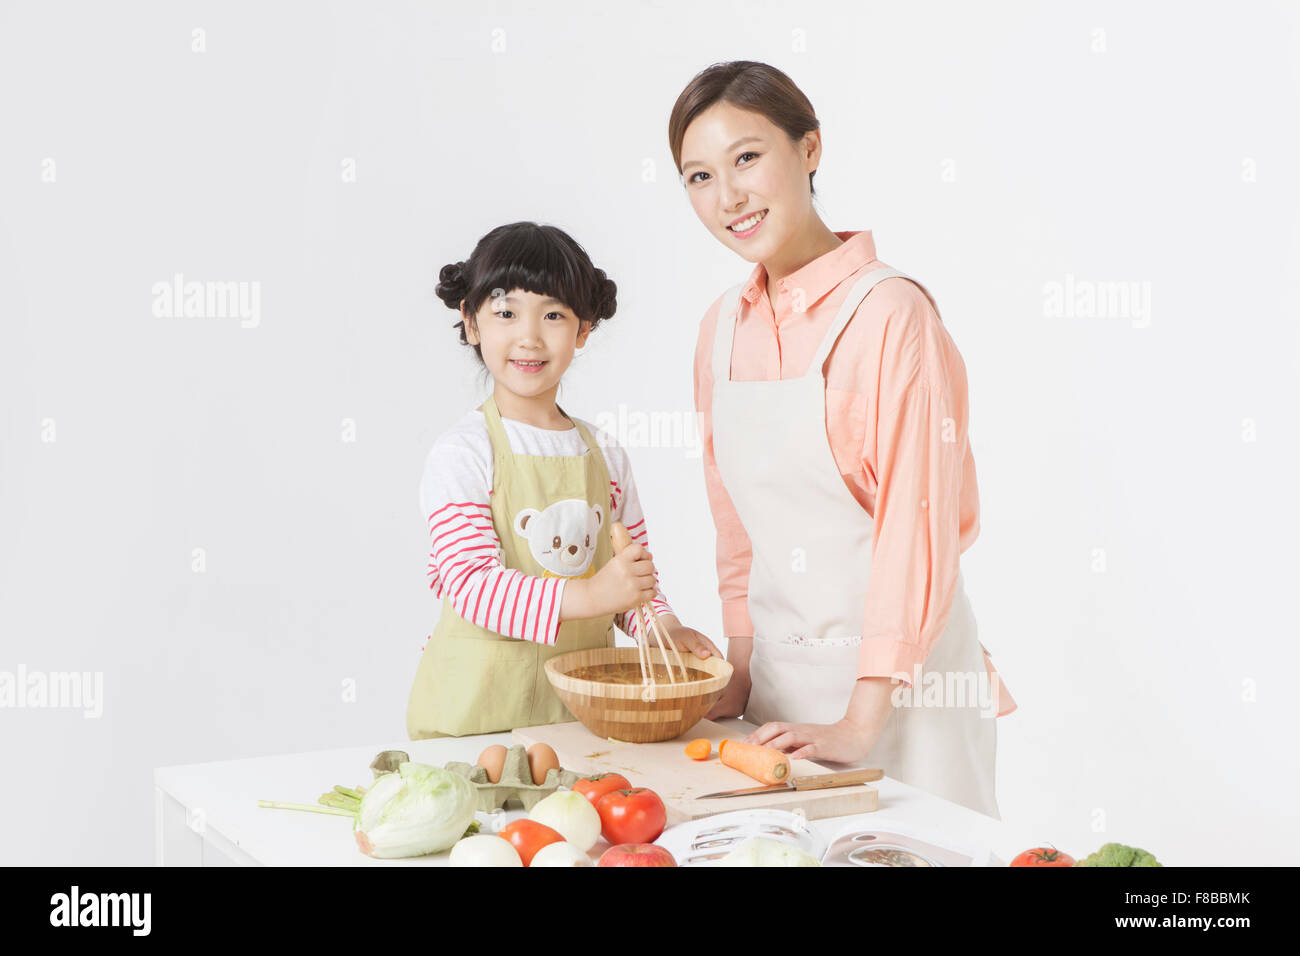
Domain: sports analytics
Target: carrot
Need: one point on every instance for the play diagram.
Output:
(699, 749)
(764, 764)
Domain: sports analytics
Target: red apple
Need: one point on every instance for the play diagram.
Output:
(636, 854)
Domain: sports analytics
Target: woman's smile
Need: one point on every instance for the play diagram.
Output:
(744, 228)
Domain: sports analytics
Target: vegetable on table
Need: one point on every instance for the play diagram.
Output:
(599, 784)
(1117, 854)
(418, 810)
(761, 851)
(764, 764)
(561, 854)
(527, 837)
(637, 815)
(699, 749)
(1043, 856)
(571, 815)
(485, 849)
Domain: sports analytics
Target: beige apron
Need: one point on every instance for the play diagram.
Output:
(811, 544)
(471, 680)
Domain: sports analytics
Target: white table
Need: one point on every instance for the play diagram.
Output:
(207, 814)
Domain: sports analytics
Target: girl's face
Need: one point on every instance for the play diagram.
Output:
(737, 164)
(527, 340)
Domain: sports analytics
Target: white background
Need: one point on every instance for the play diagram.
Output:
(991, 149)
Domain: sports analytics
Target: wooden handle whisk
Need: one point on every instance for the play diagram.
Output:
(621, 540)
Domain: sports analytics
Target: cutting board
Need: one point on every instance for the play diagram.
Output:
(679, 780)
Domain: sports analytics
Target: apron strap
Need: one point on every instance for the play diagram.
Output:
(725, 335)
(587, 437)
(847, 308)
(496, 431)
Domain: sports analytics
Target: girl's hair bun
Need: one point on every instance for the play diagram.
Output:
(606, 296)
(452, 284)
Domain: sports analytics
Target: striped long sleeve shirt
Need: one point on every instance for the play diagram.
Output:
(465, 556)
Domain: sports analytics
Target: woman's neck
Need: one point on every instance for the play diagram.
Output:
(813, 243)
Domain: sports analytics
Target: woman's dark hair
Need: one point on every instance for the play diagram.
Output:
(524, 255)
(747, 85)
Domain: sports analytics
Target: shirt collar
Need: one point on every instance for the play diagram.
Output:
(822, 274)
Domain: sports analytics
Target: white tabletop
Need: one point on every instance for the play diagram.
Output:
(217, 803)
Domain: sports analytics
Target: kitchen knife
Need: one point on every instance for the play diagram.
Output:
(817, 781)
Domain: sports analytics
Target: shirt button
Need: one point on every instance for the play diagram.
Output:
(925, 503)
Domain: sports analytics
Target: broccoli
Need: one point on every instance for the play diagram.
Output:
(1117, 854)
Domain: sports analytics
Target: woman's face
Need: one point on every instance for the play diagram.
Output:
(527, 340)
(737, 164)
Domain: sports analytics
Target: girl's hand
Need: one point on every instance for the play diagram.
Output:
(626, 580)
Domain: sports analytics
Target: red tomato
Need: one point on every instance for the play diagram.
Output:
(1043, 856)
(596, 786)
(631, 816)
(528, 836)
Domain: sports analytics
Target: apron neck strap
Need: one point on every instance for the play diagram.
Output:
(497, 431)
(847, 308)
(725, 334)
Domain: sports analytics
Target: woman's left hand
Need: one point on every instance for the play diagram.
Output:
(684, 638)
(689, 639)
(840, 742)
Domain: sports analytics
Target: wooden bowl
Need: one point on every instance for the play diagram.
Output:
(617, 710)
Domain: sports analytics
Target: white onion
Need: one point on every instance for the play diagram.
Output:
(561, 854)
(484, 849)
(571, 815)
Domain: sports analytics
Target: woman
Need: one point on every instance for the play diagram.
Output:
(833, 416)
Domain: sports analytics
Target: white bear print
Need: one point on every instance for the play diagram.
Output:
(563, 538)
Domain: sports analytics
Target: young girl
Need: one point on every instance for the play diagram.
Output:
(519, 499)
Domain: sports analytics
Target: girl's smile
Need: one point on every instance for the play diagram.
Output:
(527, 367)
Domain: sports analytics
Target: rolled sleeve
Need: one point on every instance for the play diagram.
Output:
(917, 455)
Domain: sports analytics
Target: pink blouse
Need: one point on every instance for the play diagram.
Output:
(896, 420)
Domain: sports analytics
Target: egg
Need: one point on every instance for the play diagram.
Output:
(541, 758)
(492, 760)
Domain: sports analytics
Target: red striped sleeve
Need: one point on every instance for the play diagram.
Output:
(465, 566)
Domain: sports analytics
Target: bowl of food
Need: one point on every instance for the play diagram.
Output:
(605, 689)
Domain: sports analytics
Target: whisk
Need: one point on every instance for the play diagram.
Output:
(621, 539)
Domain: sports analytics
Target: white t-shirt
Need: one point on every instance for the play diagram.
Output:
(465, 555)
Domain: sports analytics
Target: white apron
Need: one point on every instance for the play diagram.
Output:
(812, 545)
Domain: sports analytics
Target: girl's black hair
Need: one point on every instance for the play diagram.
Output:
(524, 255)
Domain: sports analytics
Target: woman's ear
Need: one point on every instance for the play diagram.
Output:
(584, 330)
(811, 150)
(471, 329)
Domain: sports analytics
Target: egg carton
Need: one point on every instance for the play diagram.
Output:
(516, 781)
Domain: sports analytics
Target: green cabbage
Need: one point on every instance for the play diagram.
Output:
(417, 810)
